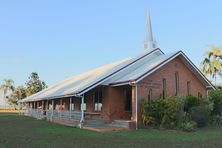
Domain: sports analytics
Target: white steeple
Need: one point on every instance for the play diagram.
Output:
(149, 43)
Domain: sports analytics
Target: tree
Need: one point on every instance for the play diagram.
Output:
(212, 63)
(34, 84)
(18, 94)
(7, 86)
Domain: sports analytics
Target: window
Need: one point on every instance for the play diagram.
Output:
(149, 96)
(164, 88)
(98, 100)
(177, 82)
(188, 88)
(72, 106)
(82, 106)
(128, 100)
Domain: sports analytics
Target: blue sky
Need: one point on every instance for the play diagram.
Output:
(58, 39)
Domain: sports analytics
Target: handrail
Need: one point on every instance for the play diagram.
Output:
(51, 114)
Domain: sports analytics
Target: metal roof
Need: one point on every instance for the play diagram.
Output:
(134, 71)
(74, 84)
(122, 71)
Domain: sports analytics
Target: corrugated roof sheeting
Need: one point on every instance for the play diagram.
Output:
(74, 84)
(122, 71)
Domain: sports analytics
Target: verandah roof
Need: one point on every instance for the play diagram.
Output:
(74, 84)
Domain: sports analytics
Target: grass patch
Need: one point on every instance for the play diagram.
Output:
(21, 131)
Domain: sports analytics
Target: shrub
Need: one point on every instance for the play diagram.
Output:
(200, 114)
(188, 126)
(216, 98)
(190, 101)
(174, 110)
(217, 120)
(178, 112)
(152, 113)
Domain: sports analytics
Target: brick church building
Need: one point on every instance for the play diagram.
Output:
(114, 92)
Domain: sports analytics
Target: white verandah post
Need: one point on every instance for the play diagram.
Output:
(52, 109)
(60, 108)
(70, 108)
(82, 111)
(46, 108)
(42, 107)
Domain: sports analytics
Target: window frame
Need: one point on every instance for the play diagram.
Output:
(188, 88)
(150, 94)
(97, 100)
(176, 83)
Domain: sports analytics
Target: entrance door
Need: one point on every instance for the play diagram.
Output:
(128, 100)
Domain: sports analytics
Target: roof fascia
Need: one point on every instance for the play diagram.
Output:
(199, 72)
(170, 59)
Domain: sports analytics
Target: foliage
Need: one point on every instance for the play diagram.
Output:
(217, 120)
(190, 101)
(34, 84)
(178, 112)
(211, 65)
(205, 101)
(216, 98)
(174, 110)
(18, 94)
(7, 86)
(153, 112)
(188, 126)
(200, 114)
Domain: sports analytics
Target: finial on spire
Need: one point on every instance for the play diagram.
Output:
(149, 43)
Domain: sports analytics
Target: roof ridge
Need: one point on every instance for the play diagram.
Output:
(134, 61)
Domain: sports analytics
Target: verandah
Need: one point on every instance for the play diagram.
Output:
(58, 109)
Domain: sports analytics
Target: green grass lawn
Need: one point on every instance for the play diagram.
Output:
(21, 131)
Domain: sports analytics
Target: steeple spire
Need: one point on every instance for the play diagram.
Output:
(149, 43)
(149, 35)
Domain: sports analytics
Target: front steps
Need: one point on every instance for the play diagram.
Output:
(94, 122)
(100, 125)
(120, 123)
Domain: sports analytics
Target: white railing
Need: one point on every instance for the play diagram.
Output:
(37, 113)
(51, 114)
(71, 115)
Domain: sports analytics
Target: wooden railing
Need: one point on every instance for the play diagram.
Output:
(51, 114)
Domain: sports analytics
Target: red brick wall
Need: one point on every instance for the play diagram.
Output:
(114, 98)
(167, 72)
(113, 102)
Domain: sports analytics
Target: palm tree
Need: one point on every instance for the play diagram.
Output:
(212, 64)
(7, 86)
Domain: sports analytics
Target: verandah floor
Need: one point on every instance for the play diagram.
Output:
(22, 131)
